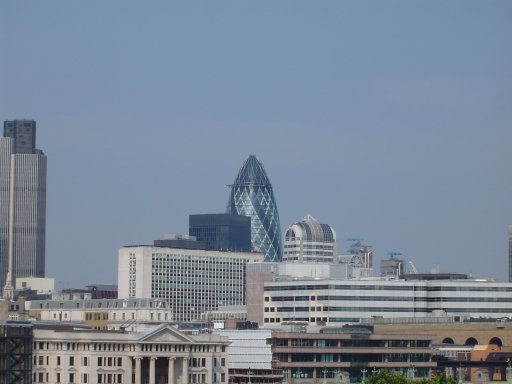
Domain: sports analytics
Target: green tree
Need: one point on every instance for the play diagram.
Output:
(384, 377)
(440, 379)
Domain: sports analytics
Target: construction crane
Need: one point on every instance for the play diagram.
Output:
(412, 268)
(392, 254)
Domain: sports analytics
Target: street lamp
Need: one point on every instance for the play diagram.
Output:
(324, 371)
(249, 373)
(411, 374)
(297, 374)
(285, 376)
(509, 371)
(363, 371)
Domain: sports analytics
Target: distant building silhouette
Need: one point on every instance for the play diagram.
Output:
(221, 231)
(22, 203)
(252, 195)
(308, 240)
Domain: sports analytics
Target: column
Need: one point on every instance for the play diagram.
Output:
(137, 370)
(152, 360)
(184, 373)
(127, 365)
(170, 371)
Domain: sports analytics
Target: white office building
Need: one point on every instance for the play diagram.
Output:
(192, 281)
(328, 301)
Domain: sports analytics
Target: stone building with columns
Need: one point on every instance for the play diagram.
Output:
(162, 355)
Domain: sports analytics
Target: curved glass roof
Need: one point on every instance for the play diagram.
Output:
(313, 231)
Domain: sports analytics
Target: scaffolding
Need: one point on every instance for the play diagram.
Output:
(15, 352)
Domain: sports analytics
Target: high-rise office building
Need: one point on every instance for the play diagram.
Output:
(252, 195)
(221, 231)
(308, 240)
(22, 203)
(193, 281)
(510, 253)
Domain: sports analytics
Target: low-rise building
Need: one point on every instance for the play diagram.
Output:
(307, 354)
(160, 355)
(104, 314)
(335, 302)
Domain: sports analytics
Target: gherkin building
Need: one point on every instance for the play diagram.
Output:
(251, 195)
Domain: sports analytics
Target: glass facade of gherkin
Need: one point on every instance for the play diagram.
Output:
(252, 195)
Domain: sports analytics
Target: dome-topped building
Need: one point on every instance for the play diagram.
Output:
(252, 195)
(308, 240)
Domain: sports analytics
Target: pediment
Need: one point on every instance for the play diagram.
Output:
(166, 334)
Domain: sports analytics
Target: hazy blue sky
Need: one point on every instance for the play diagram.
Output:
(388, 120)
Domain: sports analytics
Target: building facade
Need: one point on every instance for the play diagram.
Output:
(133, 315)
(160, 355)
(310, 241)
(252, 195)
(250, 355)
(329, 353)
(192, 281)
(349, 301)
(22, 203)
(221, 231)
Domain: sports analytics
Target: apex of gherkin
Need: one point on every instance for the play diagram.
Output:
(252, 195)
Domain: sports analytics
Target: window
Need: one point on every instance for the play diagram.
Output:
(58, 377)
(58, 360)
(71, 377)
(71, 361)
(85, 361)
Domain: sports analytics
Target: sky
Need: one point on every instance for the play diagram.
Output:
(390, 121)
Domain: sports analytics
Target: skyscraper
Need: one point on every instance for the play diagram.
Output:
(510, 253)
(252, 195)
(22, 202)
(310, 241)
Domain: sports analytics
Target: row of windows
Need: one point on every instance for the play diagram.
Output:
(42, 377)
(81, 346)
(343, 343)
(389, 288)
(394, 298)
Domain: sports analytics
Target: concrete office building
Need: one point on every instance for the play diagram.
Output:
(332, 302)
(250, 355)
(160, 355)
(309, 241)
(260, 273)
(330, 354)
(192, 281)
(22, 204)
(221, 231)
(252, 195)
(391, 267)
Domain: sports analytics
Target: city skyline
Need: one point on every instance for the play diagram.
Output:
(390, 123)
